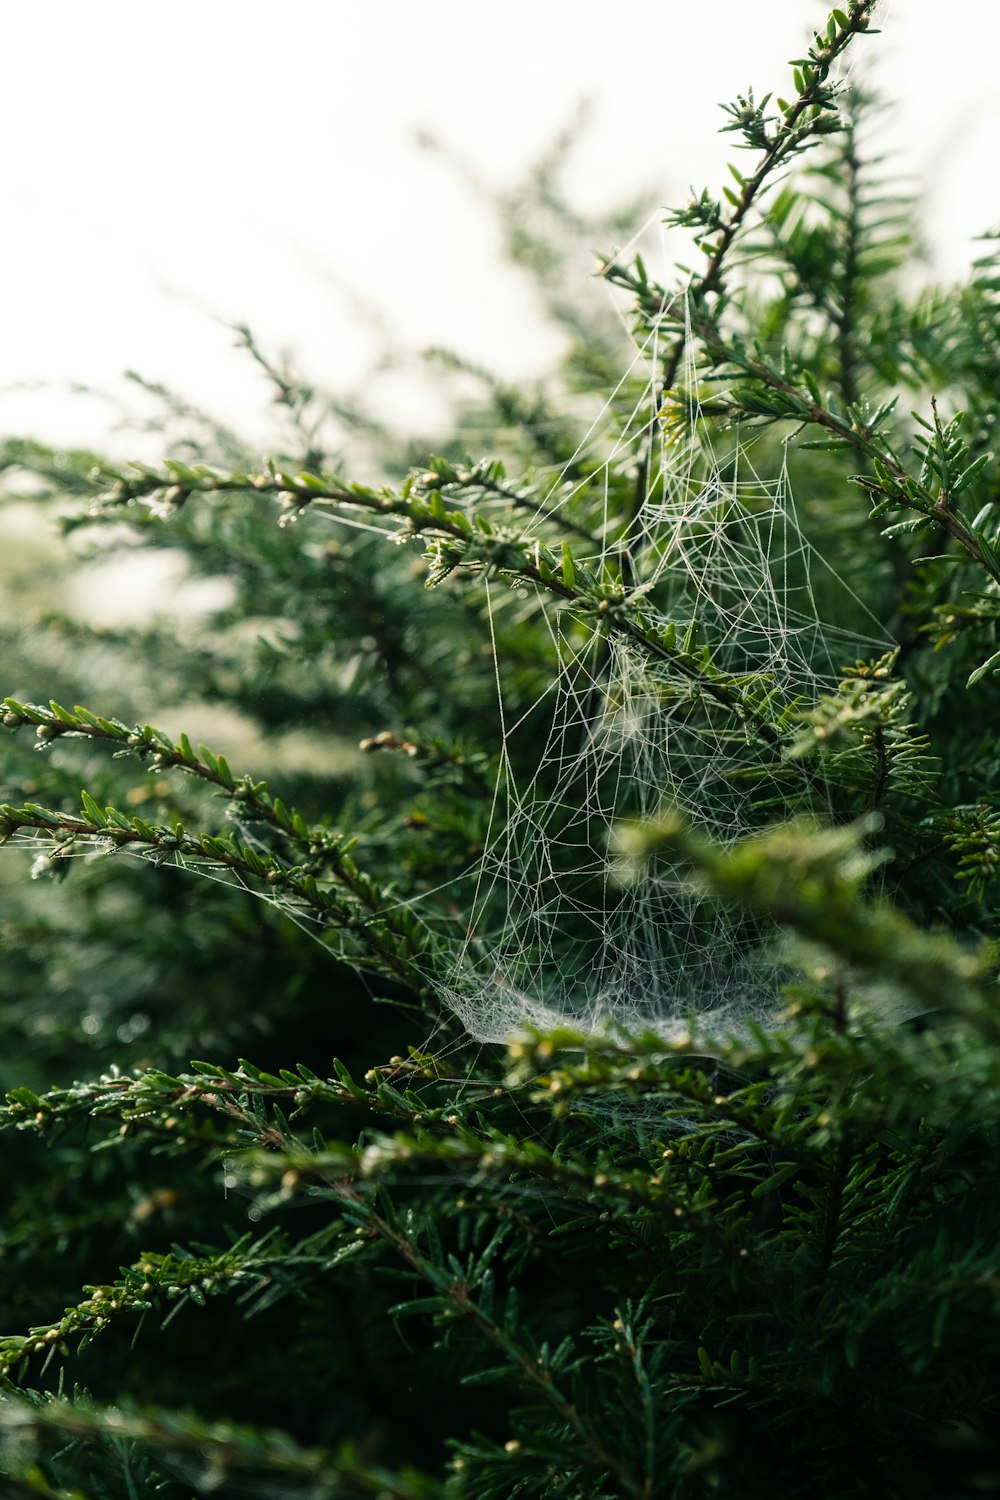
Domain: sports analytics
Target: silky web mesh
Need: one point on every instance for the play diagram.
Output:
(559, 933)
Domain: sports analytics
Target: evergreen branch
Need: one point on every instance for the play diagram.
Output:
(142, 1288)
(864, 737)
(492, 1152)
(224, 1448)
(295, 397)
(845, 314)
(392, 939)
(809, 880)
(538, 1370)
(166, 1275)
(166, 493)
(832, 240)
(791, 395)
(488, 477)
(814, 1055)
(403, 941)
(456, 541)
(691, 1210)
(140, 1101)
(643, 1070)
(155, 749)
(974, 835)
(881, 778)
(144, 1097)
(808, 116)
(463, 763)
(322, 848)
(177, 482)
(632, 1337)
(713, 1235)
(834, 1205)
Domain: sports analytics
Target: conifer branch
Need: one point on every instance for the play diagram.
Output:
(538, 1370)
(223, 1448)
(154, 1279)
(789, 394)
(809, 880)
(391, 944)
(153, 1096)
(780, 137)
(488, 478)
(455, 541)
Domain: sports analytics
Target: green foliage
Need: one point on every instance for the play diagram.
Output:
(363, 1249)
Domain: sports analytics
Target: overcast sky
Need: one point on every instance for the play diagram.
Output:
(168, 168)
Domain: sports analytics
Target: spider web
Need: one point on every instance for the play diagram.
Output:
(559, 935)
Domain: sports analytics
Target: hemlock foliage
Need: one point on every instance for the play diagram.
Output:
(667, 1241)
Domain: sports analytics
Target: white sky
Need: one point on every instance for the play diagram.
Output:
(164, 168)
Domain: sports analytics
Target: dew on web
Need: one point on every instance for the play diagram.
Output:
(558, 935)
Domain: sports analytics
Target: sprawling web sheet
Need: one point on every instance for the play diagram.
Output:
(558, 935)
